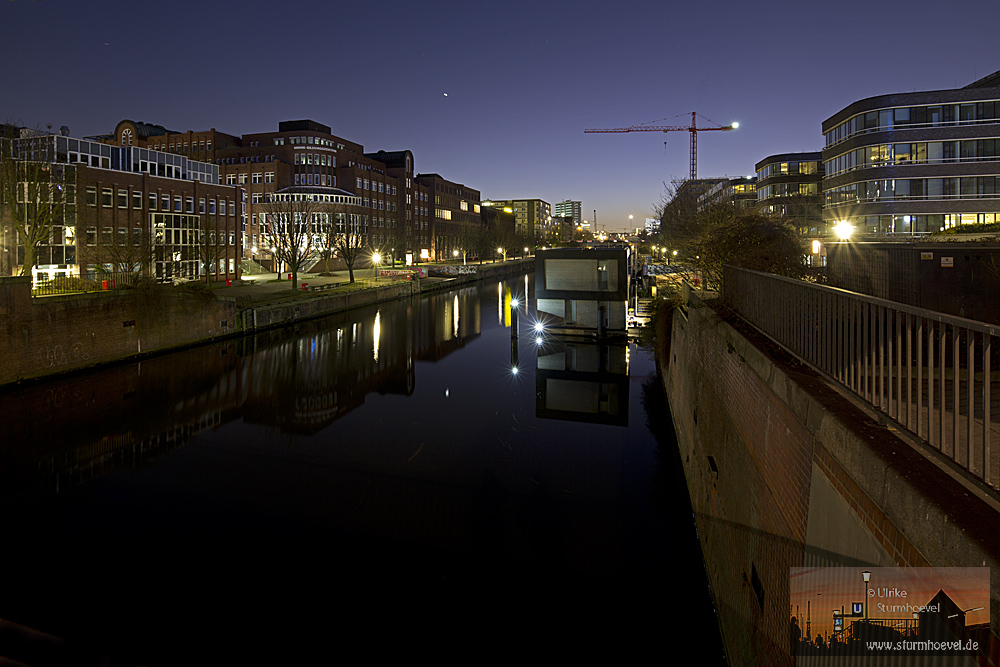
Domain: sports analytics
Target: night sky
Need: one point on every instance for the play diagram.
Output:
(494, 95)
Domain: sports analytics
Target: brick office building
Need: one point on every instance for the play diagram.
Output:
(397, 210)
(455, 211)
(132, 209)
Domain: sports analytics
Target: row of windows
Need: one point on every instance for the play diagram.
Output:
(918, 153)
(196, 146)
(919, 224)
(806, 167)
(245, 160)
(307, 141)
(130, 159)
(180, 204)
(910, 117)
(379, 186)
(315, 179)
(315, 158)
(966, 187)
(379, 204)
(256, 178)
(787, 190)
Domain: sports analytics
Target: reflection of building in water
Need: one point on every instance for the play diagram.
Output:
(63, 432)
(298, 378)
(303, 384)
(582, 381)
(445, 323)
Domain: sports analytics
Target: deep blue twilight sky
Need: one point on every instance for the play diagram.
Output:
(523, 78)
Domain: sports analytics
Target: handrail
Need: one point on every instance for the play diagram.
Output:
(916, 366)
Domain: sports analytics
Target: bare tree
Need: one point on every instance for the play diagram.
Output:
(32, 193)
(351, 240)
(211, 250)
(291, 220)
(129, 254)
(465, 239)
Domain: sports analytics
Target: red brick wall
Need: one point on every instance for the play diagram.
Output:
(55, 334)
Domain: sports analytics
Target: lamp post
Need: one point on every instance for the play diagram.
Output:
(867, 575)
(376, 260)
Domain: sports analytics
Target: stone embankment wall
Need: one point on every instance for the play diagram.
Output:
(51, 335)
(57, 334)
(785, 472)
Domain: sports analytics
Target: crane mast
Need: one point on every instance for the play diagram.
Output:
(693, 129)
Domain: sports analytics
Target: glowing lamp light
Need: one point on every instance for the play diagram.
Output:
(815, 247)
(843, 230)
(513, 303)
(539, 327)
(539, 340)
(513, 369)
(377, 258)
(735, 125)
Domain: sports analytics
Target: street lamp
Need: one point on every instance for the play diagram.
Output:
(867, 575)
(376, 260)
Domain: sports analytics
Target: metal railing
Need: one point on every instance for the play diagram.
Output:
(92, 283)
(935, 375)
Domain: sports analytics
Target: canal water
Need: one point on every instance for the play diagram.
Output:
(405, 479)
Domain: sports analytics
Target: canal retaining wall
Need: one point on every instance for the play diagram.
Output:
(783, 471)
(58, 334)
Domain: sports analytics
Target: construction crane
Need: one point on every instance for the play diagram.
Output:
(693, 129)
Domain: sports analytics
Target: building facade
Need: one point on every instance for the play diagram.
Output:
(914, 163)
(790, 185)
(451, 218)
(396, 210)
(533, 217)
(571, 208)
(131, 210)
(739, 192)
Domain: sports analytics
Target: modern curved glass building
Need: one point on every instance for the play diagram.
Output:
(914, 163)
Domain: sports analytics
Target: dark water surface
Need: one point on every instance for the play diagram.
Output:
(379, 481)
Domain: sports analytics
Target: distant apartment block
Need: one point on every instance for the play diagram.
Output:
(571, 208)
(789, 185)
(739, 192)
(532, 217)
